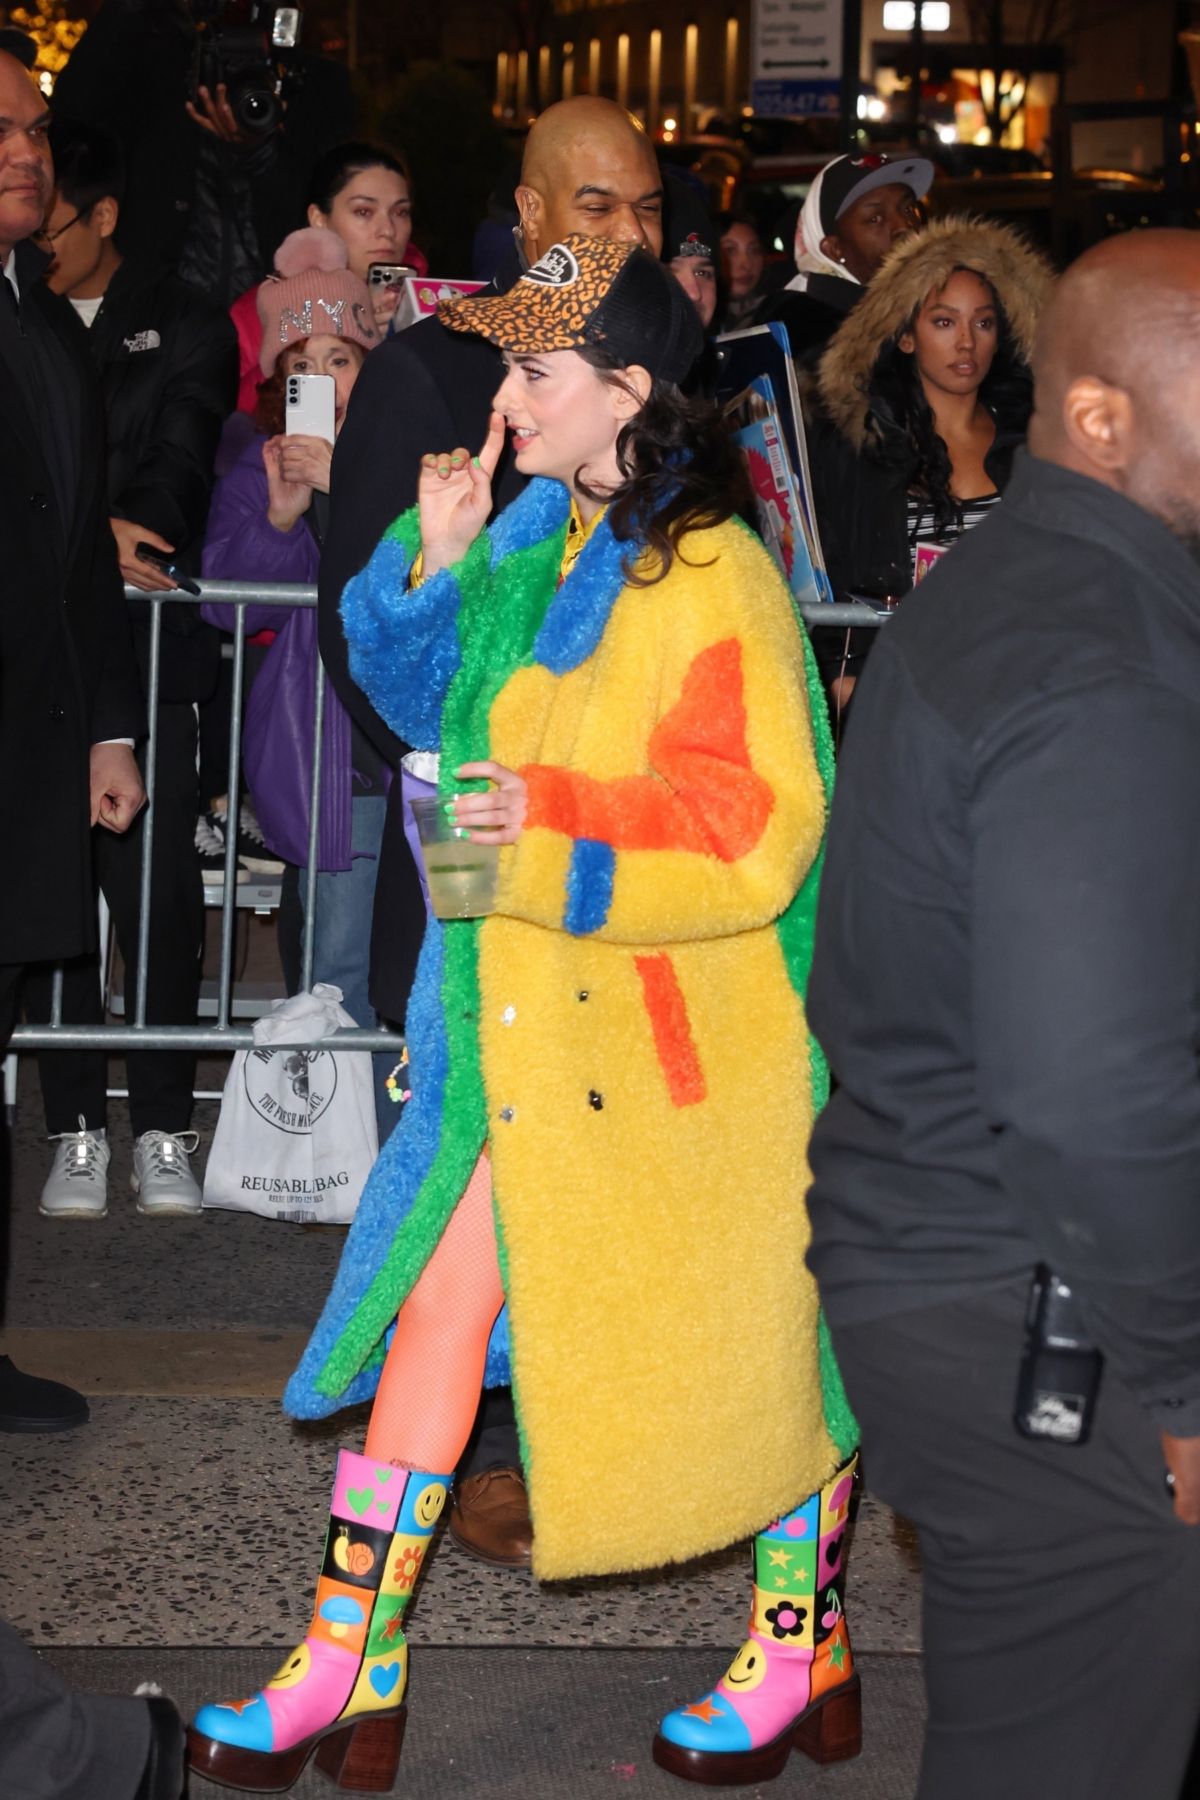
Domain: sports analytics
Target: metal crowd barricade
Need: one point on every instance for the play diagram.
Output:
(225, 1035)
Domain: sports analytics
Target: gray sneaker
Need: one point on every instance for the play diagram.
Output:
(77, 1185)
(161, 1178)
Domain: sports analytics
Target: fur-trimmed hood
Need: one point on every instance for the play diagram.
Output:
(1020, 276)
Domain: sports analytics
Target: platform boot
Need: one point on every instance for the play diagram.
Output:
(792, 1684)
(340, 1694)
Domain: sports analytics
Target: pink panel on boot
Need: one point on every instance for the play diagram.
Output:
(768, 1686)
(367, 1491)
(319, 1680)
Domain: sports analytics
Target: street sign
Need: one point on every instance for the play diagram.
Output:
(796, 58)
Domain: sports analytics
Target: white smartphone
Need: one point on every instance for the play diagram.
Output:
(310, 406)
(389, 275)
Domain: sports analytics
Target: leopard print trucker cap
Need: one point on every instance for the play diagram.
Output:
(589, 291)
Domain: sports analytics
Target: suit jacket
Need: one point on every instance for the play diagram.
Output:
(425, 389)
(67, 673)
(167, 362)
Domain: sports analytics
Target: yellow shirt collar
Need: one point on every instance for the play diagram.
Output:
(577, 536)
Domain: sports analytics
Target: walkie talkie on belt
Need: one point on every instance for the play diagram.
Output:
(1060, 1365)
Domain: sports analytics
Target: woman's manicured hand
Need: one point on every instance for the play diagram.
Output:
(454, 494)
(497, 816)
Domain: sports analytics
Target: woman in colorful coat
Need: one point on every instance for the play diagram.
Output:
(612, 1080)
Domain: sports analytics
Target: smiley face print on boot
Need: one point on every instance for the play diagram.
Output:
(294, 1669)
(748, 1669)
(422, 1507)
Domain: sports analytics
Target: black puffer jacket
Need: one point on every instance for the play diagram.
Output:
(168, 367)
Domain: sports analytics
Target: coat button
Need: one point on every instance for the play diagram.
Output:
(508, 1114)
(57, 711)
(39, 502)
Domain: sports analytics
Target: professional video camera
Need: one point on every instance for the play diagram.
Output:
(251, 46)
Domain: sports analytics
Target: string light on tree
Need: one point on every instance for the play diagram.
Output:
(55, 31)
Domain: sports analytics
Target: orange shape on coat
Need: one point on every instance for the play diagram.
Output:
(703, 796)
(667, 1008)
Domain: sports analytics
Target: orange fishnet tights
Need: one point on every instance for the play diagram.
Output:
(429, 1390)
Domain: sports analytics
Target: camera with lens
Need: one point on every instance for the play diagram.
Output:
(251, 47)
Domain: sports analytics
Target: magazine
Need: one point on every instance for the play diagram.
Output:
(420, 294)
(924, 558)
(763, 352)
(754, 420)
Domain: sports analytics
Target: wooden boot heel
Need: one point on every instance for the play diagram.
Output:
(831, 1731)
(364, 1758)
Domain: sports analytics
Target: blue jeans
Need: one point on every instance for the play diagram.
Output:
(342, 935)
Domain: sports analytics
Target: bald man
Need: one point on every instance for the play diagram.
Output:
(588, 167)
(1007, 984)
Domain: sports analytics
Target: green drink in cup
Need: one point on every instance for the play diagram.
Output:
(461, 875)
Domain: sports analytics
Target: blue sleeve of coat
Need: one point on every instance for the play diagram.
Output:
(404, 642)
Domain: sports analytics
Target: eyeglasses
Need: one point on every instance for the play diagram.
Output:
(49, 237)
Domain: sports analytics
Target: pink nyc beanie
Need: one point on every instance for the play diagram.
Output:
(312, 294)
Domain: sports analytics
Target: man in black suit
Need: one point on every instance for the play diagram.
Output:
(587, 167)
(70, 700)
(70, 707)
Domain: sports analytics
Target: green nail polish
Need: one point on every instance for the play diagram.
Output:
(476, 462)
(460, 832)
(449, 807)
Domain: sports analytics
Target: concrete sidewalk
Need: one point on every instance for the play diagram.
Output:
(176, 1537)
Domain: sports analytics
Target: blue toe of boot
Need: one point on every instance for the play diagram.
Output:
(708, 1724)
(244, 1723)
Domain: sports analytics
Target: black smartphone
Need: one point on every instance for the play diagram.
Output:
(1060, 1366)
(160, 559)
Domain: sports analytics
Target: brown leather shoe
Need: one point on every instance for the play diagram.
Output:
(490, 1518)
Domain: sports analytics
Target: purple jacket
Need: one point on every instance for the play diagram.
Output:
(241, 544)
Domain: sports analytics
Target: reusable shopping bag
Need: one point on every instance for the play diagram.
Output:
(296, 1138)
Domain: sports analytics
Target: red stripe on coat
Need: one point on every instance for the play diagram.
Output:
(672, 1030)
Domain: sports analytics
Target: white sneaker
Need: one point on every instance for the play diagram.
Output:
(77, 1185)
(161, 1178)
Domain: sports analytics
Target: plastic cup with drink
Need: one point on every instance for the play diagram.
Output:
(461, 873)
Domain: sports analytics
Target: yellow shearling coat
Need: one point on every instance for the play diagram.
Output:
(644, 1054)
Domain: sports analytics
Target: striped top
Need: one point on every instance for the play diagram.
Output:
(921, 527)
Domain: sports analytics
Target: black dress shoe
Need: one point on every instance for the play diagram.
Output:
(27, 1403)
(163, 1776)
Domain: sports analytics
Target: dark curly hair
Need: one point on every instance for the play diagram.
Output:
(681, 471)
(902, 425)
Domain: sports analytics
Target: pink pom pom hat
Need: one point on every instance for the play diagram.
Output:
(312, 294)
